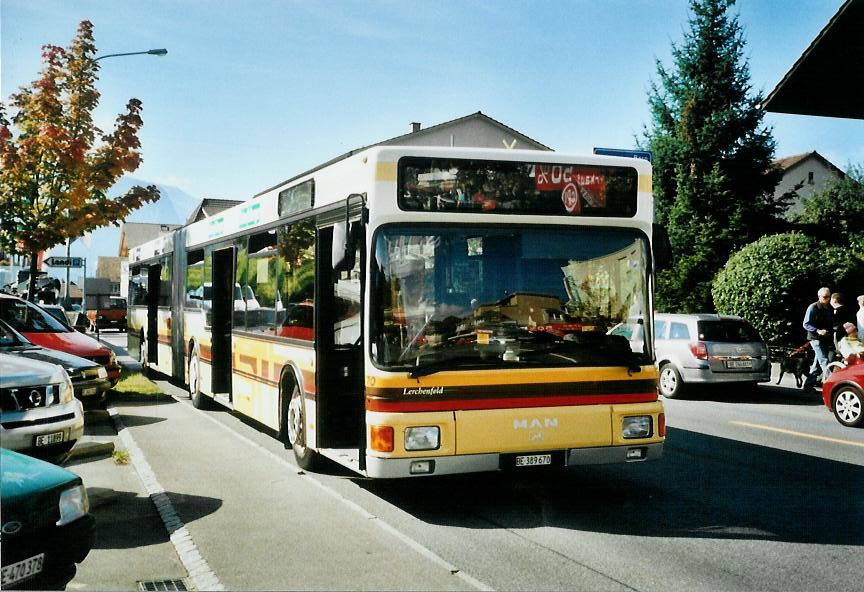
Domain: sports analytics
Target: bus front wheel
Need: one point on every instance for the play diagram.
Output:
(199, 399)
(294, 426)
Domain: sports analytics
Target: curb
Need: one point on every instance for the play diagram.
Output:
(91, 449)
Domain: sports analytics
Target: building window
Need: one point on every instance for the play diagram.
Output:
(810, 178)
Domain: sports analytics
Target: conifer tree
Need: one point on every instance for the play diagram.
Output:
(713, 175)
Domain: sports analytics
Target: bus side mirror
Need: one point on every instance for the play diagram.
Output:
(343, 252)
(662, 248)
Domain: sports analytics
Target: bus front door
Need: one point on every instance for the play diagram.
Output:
(339, 354)
(221, 313)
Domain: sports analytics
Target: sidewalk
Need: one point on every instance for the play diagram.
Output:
(126, 517)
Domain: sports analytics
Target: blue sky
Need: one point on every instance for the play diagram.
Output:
(252, 92)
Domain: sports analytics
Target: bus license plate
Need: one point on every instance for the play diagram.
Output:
(88, 391)
(48, 439)
(533, 460)
(22, 570)
(739, 364)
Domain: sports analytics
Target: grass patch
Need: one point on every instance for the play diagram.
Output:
(136, 382)
(121, 457)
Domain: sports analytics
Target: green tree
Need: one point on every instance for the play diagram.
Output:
(771, 281)
(713, 175)
(55, 176)
(837, 212)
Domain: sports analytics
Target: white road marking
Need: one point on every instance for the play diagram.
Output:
(203, 578)
(418, 547)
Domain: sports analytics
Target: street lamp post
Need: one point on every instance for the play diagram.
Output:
(156, 52)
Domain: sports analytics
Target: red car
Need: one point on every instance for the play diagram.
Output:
(43, 329)
(843, 393)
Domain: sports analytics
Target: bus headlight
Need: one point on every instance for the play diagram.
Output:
(636, 426)
(422, 438)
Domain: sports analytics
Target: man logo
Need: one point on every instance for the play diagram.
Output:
(535, 423)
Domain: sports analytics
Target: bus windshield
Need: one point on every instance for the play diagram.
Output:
(450, 298)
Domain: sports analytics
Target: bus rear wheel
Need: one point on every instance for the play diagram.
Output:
(293, 426)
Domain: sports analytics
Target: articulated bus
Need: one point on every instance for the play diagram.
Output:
(408, 311)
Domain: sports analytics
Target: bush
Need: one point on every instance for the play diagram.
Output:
(771, 282)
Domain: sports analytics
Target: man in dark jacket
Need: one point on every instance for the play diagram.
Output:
(819, 324)
(842, 315)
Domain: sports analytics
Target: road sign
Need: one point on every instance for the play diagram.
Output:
(64, 262)
(643, 154)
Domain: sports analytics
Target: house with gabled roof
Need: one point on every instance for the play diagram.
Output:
(806, 174)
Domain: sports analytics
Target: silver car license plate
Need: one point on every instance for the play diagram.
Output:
(739, 363)
(48, 439)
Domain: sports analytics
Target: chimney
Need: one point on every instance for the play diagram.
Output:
(415, 127)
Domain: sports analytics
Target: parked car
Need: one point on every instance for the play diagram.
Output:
(89, 379)
(702, 349)
(56, 311)
(843, 393)
(46, 524)
(43, 329)
(111, 314)
(39, 414)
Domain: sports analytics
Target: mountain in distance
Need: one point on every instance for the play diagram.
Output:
(173, 207)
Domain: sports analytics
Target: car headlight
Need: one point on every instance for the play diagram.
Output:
(73, 504)
(637, 426)
(422, 438)
(64, 390)
(102, 372)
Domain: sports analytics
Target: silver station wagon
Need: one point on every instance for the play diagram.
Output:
(703, 349)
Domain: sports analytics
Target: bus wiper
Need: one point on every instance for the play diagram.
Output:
(451, 363)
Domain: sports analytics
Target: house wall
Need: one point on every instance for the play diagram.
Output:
(800, 173)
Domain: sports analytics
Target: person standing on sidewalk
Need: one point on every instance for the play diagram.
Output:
(818, 322)
(859, 316)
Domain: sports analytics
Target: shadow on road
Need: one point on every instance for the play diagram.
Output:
(704, 487)
(771, 394)
(125, 520)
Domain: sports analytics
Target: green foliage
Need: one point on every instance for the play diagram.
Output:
(713, 175)
(839, 208)
(55, 175)
(772, 281)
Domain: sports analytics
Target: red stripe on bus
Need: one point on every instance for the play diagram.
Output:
(510, 402)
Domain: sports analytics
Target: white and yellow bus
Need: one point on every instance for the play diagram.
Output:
(421, 311)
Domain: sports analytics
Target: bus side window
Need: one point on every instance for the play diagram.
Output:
(295, 285)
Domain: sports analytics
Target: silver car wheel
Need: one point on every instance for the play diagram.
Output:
(847, 407)
(670, 381)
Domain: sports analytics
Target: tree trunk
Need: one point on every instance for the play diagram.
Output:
(31, 282)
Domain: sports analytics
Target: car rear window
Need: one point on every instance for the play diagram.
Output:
(727, 331)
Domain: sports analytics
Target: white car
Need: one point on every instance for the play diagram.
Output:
(39, 414)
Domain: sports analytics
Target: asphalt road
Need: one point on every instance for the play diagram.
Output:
(758, 491)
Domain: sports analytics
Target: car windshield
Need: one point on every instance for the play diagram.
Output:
(727, 331)
(26, 317)
(454, 298)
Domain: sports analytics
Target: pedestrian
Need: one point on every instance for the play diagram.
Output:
(850, 347)
(859, 317)
(842, 315)
(818, 322)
